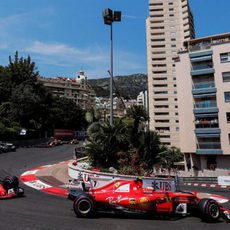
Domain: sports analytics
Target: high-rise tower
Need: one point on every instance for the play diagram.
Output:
(169, 24)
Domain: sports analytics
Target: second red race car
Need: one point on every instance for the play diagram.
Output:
(9, 188)
(130, 196)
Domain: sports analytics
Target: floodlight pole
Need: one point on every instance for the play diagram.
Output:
(109, 18)
(111, 75)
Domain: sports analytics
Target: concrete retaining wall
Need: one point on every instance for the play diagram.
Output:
(99, 179)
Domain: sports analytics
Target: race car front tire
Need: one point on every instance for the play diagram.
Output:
(84, 206)
(209, 210)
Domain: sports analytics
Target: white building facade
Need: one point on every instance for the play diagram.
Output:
(203, 72)
(142, 99)
(169, 24)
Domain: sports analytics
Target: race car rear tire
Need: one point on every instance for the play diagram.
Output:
(209, 210)
(84, 205)
(10, 182)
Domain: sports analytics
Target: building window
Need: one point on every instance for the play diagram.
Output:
(177, 129)
(156, 10)
(162, 121)
(159, 65)
(170, 3)
(161, 114)
(158, 46)
(229, 138)
(226, 76)
(161, 92)
(157, 27)
(160, 99)
(158, 34)
(173, 34)
(171, 9)
(156, 4)
(159, 59)
(227, 96)
(160, 85)
(225, 57)
(171, 15)
(159, 72)
(228, 117)
(161, 106)
(157, 16)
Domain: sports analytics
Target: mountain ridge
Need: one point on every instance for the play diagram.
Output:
(129, 86)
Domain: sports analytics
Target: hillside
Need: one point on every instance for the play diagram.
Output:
(129, 86)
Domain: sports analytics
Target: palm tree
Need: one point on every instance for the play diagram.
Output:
(139, 115)
(149, 148)
(169, 156)
(105, 141)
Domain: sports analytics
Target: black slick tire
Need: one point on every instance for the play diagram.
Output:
(84, 205)
(209, 210)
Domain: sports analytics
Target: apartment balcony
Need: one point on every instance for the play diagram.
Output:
(196, 56)
(206, 43)
(206, 107)
(208, 143)
(209, 151)
(206, 125)
(209, 148)
(208, 132)
(202, 71)
(204, 88)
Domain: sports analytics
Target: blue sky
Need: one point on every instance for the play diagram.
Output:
(64, 36)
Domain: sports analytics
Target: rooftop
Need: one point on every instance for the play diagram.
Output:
(204, 43)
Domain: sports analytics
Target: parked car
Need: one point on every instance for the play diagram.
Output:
(7, 147)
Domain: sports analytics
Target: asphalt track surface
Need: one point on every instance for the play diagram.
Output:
(38, 210)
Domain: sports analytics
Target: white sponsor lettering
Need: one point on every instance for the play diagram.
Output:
(37, 184)
(224, 180)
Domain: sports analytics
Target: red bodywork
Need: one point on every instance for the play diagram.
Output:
(4, 194)
(129, 194)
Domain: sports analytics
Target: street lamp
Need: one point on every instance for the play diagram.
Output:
(110, 17)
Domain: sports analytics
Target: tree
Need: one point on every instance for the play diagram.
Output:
(169, 156)
(139, 115)
(149, 148)
(26, 103)
(105, 141)
(64, 113)
(21, 69)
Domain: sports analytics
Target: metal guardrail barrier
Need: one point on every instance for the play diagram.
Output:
(208, 180)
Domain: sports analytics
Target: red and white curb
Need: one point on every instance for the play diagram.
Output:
(206, 185)
(30, 179)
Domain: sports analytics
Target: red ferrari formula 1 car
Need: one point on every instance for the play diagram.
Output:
(130, 196)
(9, 188)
